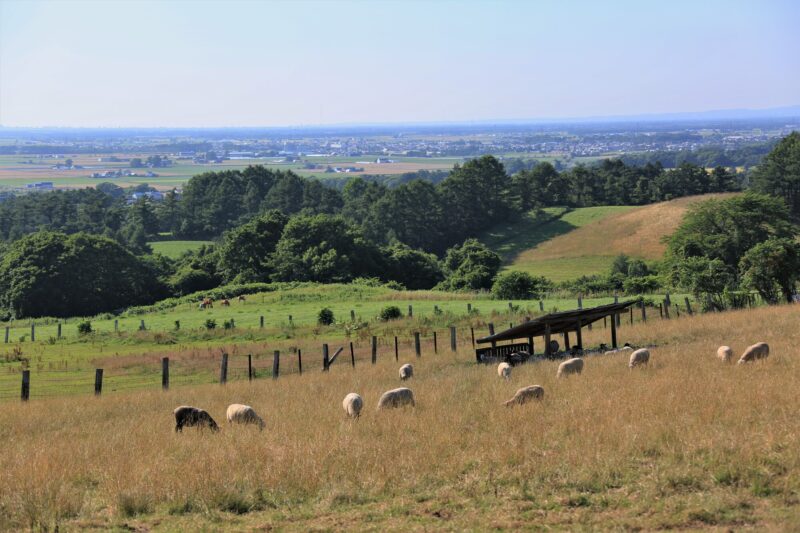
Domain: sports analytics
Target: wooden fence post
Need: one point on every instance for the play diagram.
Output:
(141, 325)
(644, 312)
(630, 309)
(223, 370)
(410, 311)
(396, 350)
(26, 385)
(452, 338)
(660, 311)
(435, 347)
(325, 362)
(261, 321)
(98, 381)
(33, 332)
(541, 305)
(374, 349)
(352, 355)
(677, 311)
(249, 367)
(300, 361)
(116, 325)
(290, 319)
(417, 347)
(472, 335)
(688, 306)
(165, 373)
(58, 335)
(667, 300)
(7, 331)
(352, 316)
(666, 310)
(469, 308)
(276, 364)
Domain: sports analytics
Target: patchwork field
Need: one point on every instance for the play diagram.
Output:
(687, 443)
(584, 241)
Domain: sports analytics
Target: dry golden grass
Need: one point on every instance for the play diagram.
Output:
(687, 443)
(637, 233)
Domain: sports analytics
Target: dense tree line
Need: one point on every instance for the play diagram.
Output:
(707, 157)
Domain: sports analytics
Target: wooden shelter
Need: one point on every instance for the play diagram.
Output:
(545, 326)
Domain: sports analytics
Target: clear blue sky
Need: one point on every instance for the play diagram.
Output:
(194, 63)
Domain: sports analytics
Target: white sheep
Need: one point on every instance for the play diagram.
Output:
(639, 357)
(570, 366)
(725, 354)
(525, 394)
(406, 372)
(504, 370)
(352, 404)
(396, 398)
(760, 350)
(243, 414)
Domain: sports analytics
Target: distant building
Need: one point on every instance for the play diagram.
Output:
(41, 186)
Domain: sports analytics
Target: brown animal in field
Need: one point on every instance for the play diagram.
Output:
(208, 303)
(188, 416)
(241, 298)
(526, 394)
(225, 303)
(725, 354)
(759, 350)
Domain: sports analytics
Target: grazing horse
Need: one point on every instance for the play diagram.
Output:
(241, 298)
(225, 303)
(207, 303)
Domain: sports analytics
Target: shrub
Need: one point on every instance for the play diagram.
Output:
(641, 285)
(520, 286)
(390, 312)
(84, 328)
(325, 317)
(228, 324)
(211, 323)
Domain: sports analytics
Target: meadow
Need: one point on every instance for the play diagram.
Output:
(174, 249)
(686, 443)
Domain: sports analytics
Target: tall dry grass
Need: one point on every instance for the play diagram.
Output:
(687, 442)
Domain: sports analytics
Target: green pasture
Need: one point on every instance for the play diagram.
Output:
(131, 358)
(174, 249)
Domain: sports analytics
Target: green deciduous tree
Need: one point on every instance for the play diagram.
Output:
(772, 268)
(779, 172)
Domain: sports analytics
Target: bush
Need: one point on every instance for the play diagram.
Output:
(228, 324)
(211, 323)
(325, 317)
(641, 285)
(390, 312)
(520, 286)
(84, 328)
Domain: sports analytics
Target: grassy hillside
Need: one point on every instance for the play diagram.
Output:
(585, 241)
(687, 443)
(174, 249)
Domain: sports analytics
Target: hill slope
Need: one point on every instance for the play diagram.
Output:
(585, 241)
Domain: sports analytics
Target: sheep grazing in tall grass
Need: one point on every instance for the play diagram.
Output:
(760, 350)
(396, 398)
(725, 354)
(526, 394)
(188, 416)
(639, 357)
(570, 366)
(504, 370)
(352, 405)
(406, 372)
(243, 414)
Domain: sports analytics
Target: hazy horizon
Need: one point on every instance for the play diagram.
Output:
(280, 64)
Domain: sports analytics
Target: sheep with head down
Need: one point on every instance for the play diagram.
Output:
(725, 354)
(526, 394)
(243, 414)
(406, 372)
(396, 398)
(188, 416)
(570, 366)
(352, 405)
(504, 370)
(759, 350)
(639, 357)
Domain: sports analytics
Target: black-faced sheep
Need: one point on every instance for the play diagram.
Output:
(187, 416)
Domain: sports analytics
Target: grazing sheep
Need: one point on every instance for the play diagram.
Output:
(186, 415)
(504, 370)
(243, 414)
(396, 398)
(526, 394)
(760, 350)
(406, 371)
(639, 357)
(352, 405)
(570, 366)
(725, 354)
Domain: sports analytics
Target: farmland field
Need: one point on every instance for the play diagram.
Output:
(686, 443)
(174, 249)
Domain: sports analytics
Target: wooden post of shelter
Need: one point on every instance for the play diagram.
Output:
(417, 346)
(452, 338)
(25, 393)
(491, 332)
(566, 341)
(223, 370)
(530, 345)
(616, 316)
(578, 334)
(165, 373)
(98, 381)
(547, 340)
(374, 349)
(613, 333)
(276, 364)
